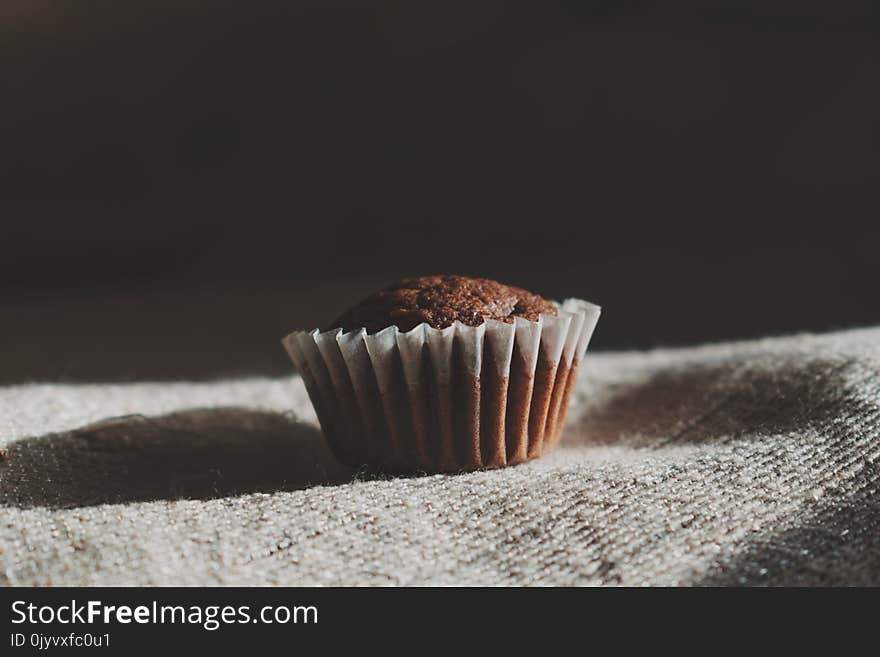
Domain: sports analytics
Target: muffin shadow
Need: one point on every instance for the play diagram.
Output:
(191, 454)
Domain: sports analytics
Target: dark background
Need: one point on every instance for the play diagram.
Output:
(185, 182)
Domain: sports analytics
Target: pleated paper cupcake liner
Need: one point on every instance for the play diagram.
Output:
(441, 400)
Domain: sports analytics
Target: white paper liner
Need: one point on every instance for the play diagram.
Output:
(458, 398)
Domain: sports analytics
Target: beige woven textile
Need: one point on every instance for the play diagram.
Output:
(747, 463)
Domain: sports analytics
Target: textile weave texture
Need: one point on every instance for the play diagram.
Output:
(744, 463)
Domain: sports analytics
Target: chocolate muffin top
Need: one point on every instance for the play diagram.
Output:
(441, 300)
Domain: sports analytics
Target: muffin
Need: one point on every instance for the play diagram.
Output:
(444, 373)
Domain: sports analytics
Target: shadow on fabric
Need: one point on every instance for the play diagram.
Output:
(712, 403)
(839, 546)
(838, 541)
(191, 454)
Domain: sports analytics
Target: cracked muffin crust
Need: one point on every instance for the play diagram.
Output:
(441, 300)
